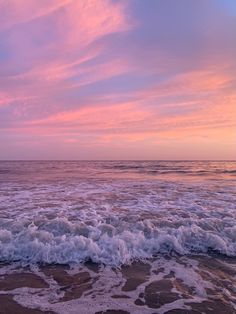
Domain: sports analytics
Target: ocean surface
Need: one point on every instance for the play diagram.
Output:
(122, 223)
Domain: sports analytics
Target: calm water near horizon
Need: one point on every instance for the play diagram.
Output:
(174, 221)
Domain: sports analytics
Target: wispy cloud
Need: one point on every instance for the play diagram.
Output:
(116, 74)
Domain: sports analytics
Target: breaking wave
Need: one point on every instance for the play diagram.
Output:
(62, 241)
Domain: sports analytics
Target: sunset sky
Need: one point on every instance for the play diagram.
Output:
(110, 79)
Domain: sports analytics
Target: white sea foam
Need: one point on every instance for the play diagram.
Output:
(109, 282)
(63, 241)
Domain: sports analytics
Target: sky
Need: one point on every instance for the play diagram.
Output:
(117, 79)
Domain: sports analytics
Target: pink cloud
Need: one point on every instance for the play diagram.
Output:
(77, 24)
(15, 12)
(57, 79)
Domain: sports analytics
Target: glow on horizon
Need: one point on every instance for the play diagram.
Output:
(110, 79)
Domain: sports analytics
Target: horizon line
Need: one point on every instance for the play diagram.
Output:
(103, 160)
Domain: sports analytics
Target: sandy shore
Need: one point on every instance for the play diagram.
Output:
(195, 284)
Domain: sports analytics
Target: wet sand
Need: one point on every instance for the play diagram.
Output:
(194, 284)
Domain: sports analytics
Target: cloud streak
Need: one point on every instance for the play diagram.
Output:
(114, 76)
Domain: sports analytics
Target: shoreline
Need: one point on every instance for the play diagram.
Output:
(170, 285)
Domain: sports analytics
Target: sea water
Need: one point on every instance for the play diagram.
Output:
(115, 213)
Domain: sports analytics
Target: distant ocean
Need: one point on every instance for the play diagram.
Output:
(121, 236)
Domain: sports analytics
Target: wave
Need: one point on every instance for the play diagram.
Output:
(161, 169)
(228, 171)
(62, 241)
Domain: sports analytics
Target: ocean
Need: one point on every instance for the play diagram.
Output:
(117, 237)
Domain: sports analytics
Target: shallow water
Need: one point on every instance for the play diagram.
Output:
(182, 214)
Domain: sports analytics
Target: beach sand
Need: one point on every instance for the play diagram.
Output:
(193, 284)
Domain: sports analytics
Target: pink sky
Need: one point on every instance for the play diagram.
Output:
(94, 79)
